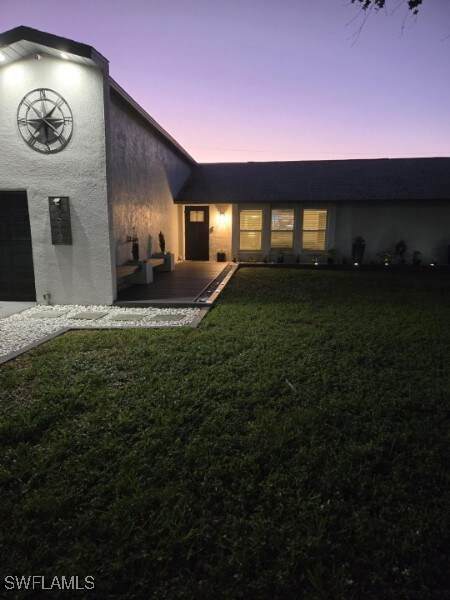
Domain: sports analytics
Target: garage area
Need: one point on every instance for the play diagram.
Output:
(16, 256)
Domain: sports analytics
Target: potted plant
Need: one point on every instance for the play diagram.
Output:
(162, 242)
(134, 241)
(400, 250)
(169, 258)
(417, 258)
(358, 247)
(221, 256)
(385, 257)
(330, 256)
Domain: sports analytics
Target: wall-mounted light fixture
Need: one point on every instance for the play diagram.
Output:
(222, 218)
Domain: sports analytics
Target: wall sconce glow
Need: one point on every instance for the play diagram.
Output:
(64, 55)
(69, 73)
(14, 74)
(2, 57)
(222, 218)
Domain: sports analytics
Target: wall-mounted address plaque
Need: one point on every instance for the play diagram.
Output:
(60, 220)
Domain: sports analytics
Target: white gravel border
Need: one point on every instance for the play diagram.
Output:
(22, 329)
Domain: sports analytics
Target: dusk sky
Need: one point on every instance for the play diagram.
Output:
(260, 80)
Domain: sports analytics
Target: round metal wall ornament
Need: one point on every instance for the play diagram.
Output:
(45, 121)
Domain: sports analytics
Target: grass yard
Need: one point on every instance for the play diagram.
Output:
(293, 446)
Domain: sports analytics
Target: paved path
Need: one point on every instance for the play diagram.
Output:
(10, 308)
(182, 285)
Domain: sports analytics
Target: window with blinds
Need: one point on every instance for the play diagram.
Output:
(282, 229)
(314, 229)
(250, 229)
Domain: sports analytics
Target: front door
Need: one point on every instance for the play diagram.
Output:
(16, 256)
(197, 232)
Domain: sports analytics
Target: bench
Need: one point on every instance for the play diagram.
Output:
(138, 273)
(125, 270)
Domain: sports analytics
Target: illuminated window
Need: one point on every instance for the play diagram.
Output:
(250, 229)
(197, 216)
(314, 229)
(282, 231)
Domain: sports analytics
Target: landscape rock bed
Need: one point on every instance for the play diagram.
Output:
(32, 325)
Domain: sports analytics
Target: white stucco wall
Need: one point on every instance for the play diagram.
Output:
(80, 273)
(425, 226)
(146, 174)
(220, 236)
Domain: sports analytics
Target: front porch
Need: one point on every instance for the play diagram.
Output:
(180, 287)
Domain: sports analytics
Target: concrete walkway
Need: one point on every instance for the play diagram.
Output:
(12, 308)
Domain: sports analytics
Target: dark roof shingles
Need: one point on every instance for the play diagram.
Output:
(320, 181)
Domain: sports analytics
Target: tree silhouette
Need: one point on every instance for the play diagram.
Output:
(413, 5)
(367, 6)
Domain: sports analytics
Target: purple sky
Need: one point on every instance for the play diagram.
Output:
(239, 80)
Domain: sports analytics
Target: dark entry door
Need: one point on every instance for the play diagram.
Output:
(197, 232)
(16, 257)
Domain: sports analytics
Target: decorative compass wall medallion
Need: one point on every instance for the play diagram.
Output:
(45, 121)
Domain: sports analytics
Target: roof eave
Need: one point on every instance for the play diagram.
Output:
(160, 131)
(51, 40)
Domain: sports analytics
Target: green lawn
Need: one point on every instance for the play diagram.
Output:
(293, 446)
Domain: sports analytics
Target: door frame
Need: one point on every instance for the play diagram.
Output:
(186, 210)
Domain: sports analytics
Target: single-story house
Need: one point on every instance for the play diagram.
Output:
(85, 169)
